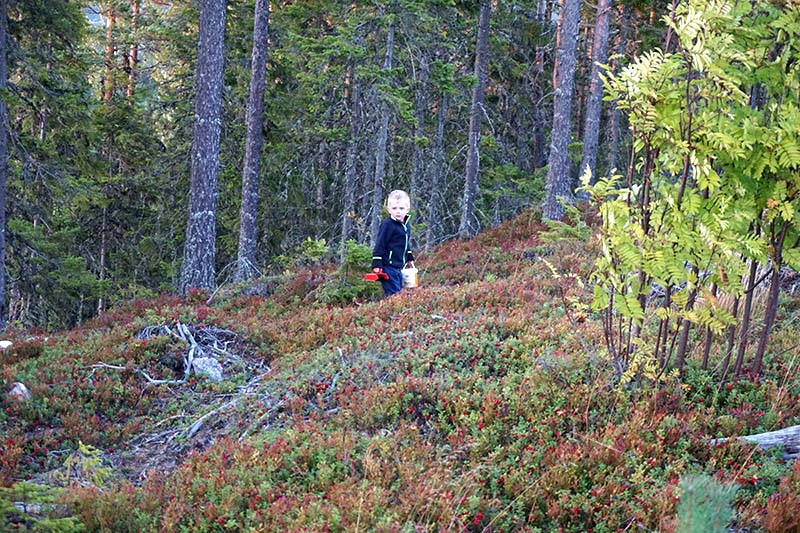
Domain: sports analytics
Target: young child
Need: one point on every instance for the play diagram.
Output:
(392, 250)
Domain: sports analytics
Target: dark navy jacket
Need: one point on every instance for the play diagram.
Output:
(393, 244)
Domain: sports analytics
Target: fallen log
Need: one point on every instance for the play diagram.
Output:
(789, 438)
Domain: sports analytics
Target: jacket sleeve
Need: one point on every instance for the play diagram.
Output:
(379, 251)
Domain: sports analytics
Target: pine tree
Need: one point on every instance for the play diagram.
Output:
(469, 225)
(254, 142)
(559, 179)
(3, 157)
(199, 253)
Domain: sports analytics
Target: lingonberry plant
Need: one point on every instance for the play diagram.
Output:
(473, 403)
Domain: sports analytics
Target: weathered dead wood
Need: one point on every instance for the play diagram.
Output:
(150, 381)
(789, 438)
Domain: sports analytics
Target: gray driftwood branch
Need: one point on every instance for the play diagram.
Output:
(789, 438)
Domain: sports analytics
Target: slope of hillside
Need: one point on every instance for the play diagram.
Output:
(481, 401)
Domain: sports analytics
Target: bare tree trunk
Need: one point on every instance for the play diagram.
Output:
(380, 149)
(434, 228)
(559, 179)
(788, 438)
(108, 93)
(418, 157)
(321, 160)
(254, 143)
(108, 83)
(3, 158)
(744, 333)
(709, 337)
(772, 301)
(668, 47)
(662, 339)
(613, 128)
(591, 128)
(349, 200)
(538, 123)
(469, 223)
(42, 127)
(101, 275)
(199, 252)
(133, 54)
(730, 341)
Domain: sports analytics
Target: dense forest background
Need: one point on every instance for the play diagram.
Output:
(570, 365)
(360, 98)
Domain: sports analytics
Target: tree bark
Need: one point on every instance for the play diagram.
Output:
(614, 129)
(3, 158)
(380, 149)
(559, 180)
(434, 228)
(108, 83)
(133, 54)
(254, 143)
(469, 224)
(199, 253)
(771, 310)
(744, 332)
(591, 128)
(789, 438)
(418, 157)
(101, 268)
(539, 155)
(730, 341)
(350, 176)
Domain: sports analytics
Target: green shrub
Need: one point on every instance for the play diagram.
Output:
(349, 285)
(29, 507)
(705, 505)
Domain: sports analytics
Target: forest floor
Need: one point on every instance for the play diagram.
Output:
(481, 401)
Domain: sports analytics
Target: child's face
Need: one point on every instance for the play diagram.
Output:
(398, 208)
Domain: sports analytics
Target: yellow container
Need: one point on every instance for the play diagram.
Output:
(410, 278)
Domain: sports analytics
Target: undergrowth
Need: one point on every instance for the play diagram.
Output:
(481, 401)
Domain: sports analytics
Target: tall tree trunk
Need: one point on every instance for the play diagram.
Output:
(744, 333)
(101, 274)
(321, 162)
(43, 110)
(730, 341)
(3, 158)
(434, 228)
(614, 129)
(418, 157)
(559, 179)
(108, 83)
(133, 53)
(771, 310)
(380, 149)
(350, 177)
(469, 223)
(591, 127)
(254, 143)
(685, 329)
(668, 40)
(539, 156)
(199, 252)
(709, 337)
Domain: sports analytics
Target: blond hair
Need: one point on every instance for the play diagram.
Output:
(398, 194)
